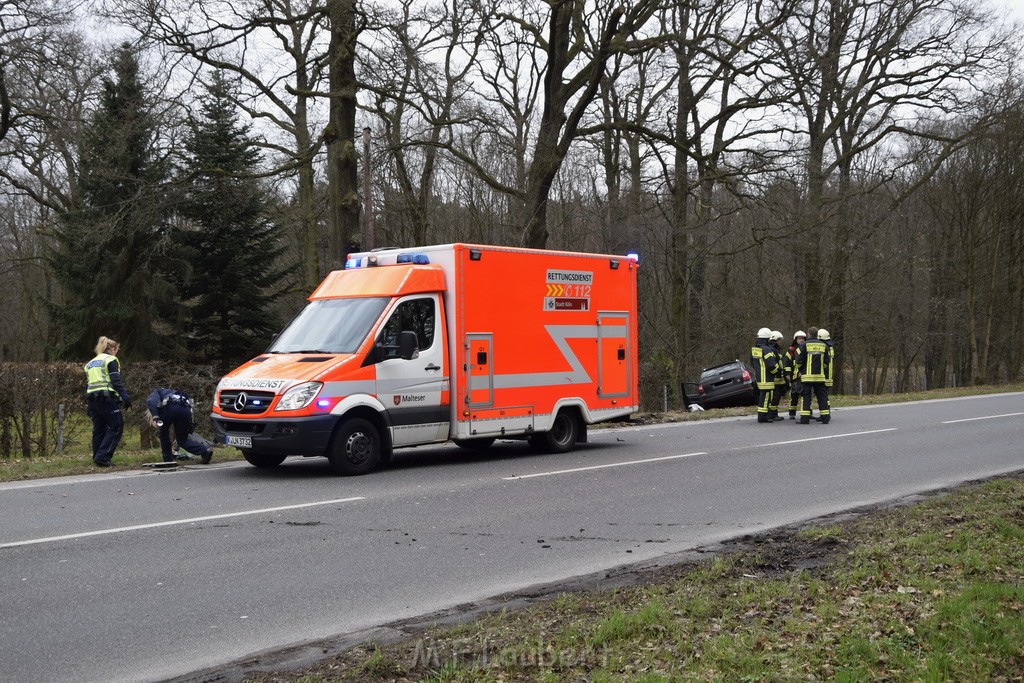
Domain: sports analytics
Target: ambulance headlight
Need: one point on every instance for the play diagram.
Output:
(299, 396)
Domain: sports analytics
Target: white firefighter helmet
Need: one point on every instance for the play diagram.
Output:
(776, 335)
(800, 333)
(823, 334)
(764, 333)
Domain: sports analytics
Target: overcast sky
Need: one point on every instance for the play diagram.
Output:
(1016, 6)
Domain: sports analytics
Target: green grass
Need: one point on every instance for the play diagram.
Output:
(78, 459)
(930, 592)
(81, 463)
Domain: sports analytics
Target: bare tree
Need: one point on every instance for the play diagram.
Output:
(865, 76)
(976, 249)
(726, 101)
(569, 91)
(342, 155)
(278, 89)
(416, 73)
(49, 94)
(26, 29)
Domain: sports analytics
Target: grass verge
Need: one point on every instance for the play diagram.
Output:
(19, 469)
(932, 591)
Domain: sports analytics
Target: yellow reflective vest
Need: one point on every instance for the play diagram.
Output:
(97, 374)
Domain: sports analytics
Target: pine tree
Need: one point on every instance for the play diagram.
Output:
(232, 245)
(104, 256)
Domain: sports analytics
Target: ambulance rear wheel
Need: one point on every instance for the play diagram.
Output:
(562, 437)
(266, 460)
(475, 444)
(356, 448)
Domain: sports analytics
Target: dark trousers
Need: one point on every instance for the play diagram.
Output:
(107, 428)
(820, 391)
(796, 392)
(179, 416)
(764, 399)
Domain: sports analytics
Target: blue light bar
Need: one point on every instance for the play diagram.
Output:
(420, 259)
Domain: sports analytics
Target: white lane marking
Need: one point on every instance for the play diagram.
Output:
(191, 520)
(689, 455)
(986, 417)
(819, 438)
(601, 467)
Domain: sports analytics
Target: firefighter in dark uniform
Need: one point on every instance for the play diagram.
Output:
(814, 363)
(824, 336)
(171, 408)
(765, 362)
(795, 386)
(105, 397)
(780, 377)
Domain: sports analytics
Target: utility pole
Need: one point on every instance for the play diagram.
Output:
(367, 193)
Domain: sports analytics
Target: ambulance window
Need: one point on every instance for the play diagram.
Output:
(330, 326)
(415, 315)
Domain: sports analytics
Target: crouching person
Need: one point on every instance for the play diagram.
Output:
(172, 408)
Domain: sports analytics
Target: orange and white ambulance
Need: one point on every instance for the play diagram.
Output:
(458, 342)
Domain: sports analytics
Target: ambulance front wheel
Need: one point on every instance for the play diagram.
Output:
(265, 460)
(356, 447)
(562, 437)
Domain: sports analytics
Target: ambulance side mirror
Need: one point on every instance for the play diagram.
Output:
(408, 345)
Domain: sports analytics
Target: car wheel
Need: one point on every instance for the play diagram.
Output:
(356, 448)
(264, 460)
(478, 444)
(561, 438)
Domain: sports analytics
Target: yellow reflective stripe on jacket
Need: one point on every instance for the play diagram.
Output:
(815, 361)
(97, 373)
(760, 369)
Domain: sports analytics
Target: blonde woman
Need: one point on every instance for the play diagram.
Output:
(106, 396)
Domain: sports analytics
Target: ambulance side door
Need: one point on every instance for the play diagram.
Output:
(415, 391)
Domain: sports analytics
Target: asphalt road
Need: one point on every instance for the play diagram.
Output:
(146, 576)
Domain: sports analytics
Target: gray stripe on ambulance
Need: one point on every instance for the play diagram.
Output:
(560, 334)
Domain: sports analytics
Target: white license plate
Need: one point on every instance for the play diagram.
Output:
(239, 441)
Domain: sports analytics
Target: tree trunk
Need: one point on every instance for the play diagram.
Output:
(305, 197)
(342, 153)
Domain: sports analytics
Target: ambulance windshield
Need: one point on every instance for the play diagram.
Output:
(330, 326)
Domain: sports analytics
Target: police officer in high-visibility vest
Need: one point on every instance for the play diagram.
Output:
(814, 363)
(765, 362)
(106, 397)
(780, 377)
(172, 408)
